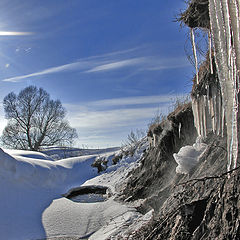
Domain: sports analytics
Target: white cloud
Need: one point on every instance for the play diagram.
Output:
(115, 65)
(62, 68)
(110, 62)
(110, 127)
(9, 33)
(110, 119)
(116, 53)
(108, 122)
(134, 100)
(84, 64)
(170, 66)
(107, 114)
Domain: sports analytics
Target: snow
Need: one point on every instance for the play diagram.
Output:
(188, 156)
(28, 154)
(58, 153)
(32, 203)
(65, 217)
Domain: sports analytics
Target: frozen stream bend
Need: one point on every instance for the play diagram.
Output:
(32, 205)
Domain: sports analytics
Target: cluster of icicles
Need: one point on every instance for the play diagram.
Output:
(219, 107)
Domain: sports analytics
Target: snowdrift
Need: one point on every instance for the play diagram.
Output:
(188, 156)
(32, 203)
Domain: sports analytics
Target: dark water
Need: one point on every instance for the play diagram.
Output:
(89, 198)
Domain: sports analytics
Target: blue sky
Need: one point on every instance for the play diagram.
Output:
(113, 64)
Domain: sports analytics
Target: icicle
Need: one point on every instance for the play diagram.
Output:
(218, 114)
(201, 115)
(230, 84)
(215, 112)
(224, 37)
(179, 130)
(210, 51)
(219, 130)
(204, 116)
(194, 53)
(212, 111)
(209, 102)
(235, 16)
(235, 119)
(196, 113)
(208, 92)
(223, 119)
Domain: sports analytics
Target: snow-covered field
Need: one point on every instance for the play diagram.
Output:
(32, 205)
(58, 153)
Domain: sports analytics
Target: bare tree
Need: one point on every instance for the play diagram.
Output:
(35, 121)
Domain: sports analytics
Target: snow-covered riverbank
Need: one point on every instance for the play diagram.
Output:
(32, 205)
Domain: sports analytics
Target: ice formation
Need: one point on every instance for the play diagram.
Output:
(194, 53)
(216, 105)
(210, 50)
(208, 111)
(224, 21)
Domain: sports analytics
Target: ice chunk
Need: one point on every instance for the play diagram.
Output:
(188, 156)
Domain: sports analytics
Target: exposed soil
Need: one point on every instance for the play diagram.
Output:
(203, 204)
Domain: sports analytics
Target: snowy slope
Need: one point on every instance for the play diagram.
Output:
(65, 152)
(32, 206)
(28, 154)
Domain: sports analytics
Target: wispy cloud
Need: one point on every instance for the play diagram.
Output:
(84, 65)
(106, 114)
(115, 65)
(140, 100)
(110, 119)
(62, 68)
(170, 66)
(9, 33)
(108, 122)
(114, 53)
(110, 62)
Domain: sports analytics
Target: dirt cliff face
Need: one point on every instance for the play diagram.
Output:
(203, 205)
(152, 179)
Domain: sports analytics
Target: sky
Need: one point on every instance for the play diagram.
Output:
(114, 65)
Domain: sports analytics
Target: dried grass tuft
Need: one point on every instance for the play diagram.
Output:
(206, 79)
(196, 15)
